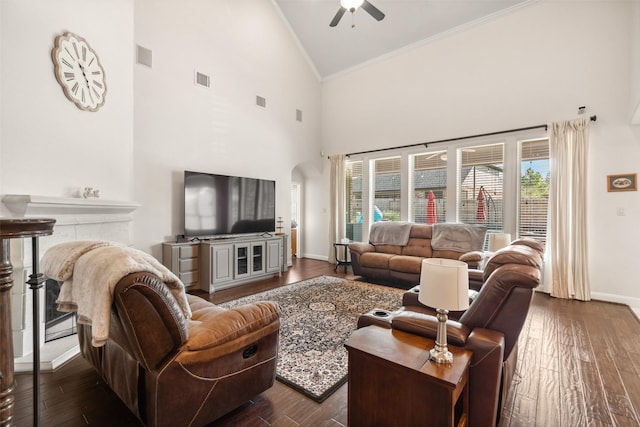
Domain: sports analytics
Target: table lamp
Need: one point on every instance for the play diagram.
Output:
(444, 285)
(498, 241)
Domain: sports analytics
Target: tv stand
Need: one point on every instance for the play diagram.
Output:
(223, 263)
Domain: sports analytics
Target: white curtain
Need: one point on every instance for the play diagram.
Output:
(569, 146)
(337, 204)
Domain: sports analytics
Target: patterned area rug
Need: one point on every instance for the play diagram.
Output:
(318, 315)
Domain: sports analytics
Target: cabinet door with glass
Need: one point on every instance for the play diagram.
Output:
(242, 260)
(257, 258)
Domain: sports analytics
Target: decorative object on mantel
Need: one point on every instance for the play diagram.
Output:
(79, 72)
(622, 182)
(279, 227)
(90, 193)
(11, 229)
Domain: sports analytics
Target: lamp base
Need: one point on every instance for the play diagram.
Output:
(440, 353)
(439, 356)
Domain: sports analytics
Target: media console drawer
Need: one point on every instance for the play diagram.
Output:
(183, 259)
(189, 251)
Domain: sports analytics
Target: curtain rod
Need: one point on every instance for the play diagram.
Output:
(426, 144)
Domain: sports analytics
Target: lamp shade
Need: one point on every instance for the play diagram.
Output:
(444, 284)
(498, 241)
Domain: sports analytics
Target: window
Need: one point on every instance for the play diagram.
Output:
(386, 198)
(499, 182)
(353, 173)
(534, 189)
(481, 186)
(429, 179)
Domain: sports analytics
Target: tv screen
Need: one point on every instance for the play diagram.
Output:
(221, 204)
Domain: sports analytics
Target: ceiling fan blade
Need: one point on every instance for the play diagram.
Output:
(338, 16)
(373, 11)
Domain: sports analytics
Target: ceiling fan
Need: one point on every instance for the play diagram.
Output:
(352, 6)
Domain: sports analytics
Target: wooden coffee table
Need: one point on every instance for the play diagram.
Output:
(393, 383)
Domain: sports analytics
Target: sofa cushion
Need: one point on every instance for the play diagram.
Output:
(214, 327)
(421, 231)
(406, 264)
(418, 247)
(375, 260)
(389, 249)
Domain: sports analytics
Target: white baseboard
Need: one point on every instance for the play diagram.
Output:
(621, 299)
(316, 257)
(632, 302)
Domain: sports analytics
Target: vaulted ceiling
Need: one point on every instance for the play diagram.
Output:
(359, 39)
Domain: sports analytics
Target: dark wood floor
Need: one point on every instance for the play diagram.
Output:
(579, 366)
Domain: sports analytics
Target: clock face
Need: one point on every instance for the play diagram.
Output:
(78, 70)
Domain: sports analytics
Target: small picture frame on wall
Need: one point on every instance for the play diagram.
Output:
(622, 182)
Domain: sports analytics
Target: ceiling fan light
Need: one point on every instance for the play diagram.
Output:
(351, 4)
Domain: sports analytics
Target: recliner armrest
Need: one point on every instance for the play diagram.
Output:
(472, 258)
(410, 302)
(361, 248)
(426, 325)
(148, 318)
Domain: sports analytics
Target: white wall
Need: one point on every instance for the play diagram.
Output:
(533, 66)
(47, 145)
(247, 51)
(635, 64)
(138, 144)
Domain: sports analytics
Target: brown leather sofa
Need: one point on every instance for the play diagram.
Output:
(402, 264)
(174, 371)
(489, 327)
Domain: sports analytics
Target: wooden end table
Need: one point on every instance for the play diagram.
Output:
(393, 383)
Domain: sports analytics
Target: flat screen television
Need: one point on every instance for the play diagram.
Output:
(216, 205)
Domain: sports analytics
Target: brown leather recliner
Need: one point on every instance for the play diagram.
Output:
(174, 371)
(489, 327)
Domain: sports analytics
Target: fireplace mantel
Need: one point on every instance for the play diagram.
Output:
(76, 219)
(68, 210)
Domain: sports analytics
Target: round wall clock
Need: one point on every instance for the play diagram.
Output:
(78, 70)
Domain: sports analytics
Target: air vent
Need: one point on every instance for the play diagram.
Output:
(261, 102)
(299, 115)
(144, 56)
(203, 79)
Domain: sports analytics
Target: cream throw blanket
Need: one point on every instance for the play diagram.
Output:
(390, 233)
(90, 271)
(458, 237)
